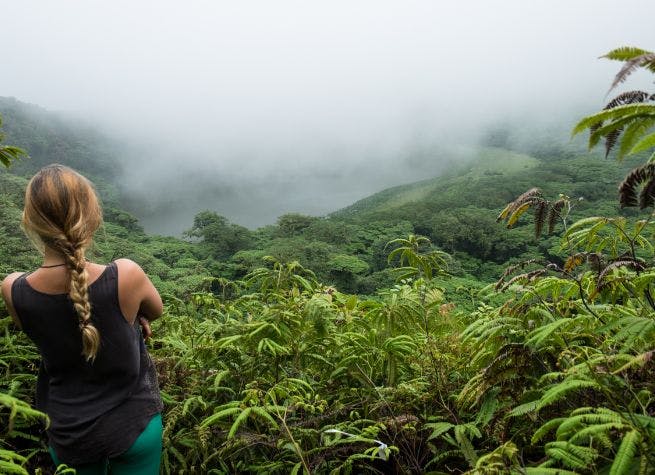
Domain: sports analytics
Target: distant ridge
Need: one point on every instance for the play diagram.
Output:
(488, 162)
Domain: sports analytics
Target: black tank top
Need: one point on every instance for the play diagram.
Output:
(97, 409)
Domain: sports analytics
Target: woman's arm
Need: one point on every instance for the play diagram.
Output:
(137, 295)
(6, 295)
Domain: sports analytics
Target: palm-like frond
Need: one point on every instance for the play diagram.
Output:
(646, 60)
(629, 193)
(613, 130)
(514, 209)
(625, 53)
(8, 153)
(624, 262)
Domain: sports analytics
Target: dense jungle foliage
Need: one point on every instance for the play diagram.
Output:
(395, 353)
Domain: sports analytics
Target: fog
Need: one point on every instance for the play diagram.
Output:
(258, 108)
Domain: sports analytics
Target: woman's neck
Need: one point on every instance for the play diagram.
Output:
(52, 258)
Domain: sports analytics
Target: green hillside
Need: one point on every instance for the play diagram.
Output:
(485, 162)
(347, 248)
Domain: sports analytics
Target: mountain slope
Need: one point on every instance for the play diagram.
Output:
(488, 162)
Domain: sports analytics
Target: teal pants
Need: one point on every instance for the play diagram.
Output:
(142, 458)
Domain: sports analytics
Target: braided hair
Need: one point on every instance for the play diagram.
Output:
(62, 212)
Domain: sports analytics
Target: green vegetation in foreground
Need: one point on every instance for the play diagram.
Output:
(550, 372)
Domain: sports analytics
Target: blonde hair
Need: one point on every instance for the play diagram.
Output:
(62, 212)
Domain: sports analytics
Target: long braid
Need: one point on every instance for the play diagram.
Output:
(79, 294)
(62, 211)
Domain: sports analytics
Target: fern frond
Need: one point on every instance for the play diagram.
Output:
(514, 217)
(528, 197)
(628, 97)
(632, 134)
(240, 419)
(625, 53)
(539, 335)
(488, 408)
(624, 459)
(546, 428)
(647, 195)
(574, 261)
(595, 432)
(526, 277)
(625, 262)
(644, 144)
(554, 213)
(524, 408)
(438, 428)
(559, 391)
(547, 471)
(219, 415)
(465, 444)
(510, 269)
(573, 456)
(539, 217)
(645, 60)
(628, 189)
(573, 424)
(639, 109)
(611, 139)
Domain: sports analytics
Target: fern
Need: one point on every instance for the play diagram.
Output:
(644, 60)
(644, 144)
(628, 189)
(523, 409)
(547, 471)
(542, 431)
(559, 391)
(625, 53)
(633, 134)
(637, 360)
(570, 455)
(624, 459)
(646, 111)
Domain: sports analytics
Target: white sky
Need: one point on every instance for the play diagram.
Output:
(245, 86)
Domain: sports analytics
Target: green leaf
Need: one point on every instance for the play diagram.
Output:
(624, 53)
(241, 418)
(644, 144)
(644, 110)
(219, 415)
(624, 459)
(439, 428)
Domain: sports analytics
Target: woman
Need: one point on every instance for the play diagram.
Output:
(96, 381)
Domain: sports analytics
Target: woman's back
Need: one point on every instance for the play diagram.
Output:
(96, 381)
(84, 397)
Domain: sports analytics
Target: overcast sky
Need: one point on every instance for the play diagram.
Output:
(257, 87)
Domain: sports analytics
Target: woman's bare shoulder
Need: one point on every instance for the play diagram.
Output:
(129, 267)
(7, 282)
(5, 287)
